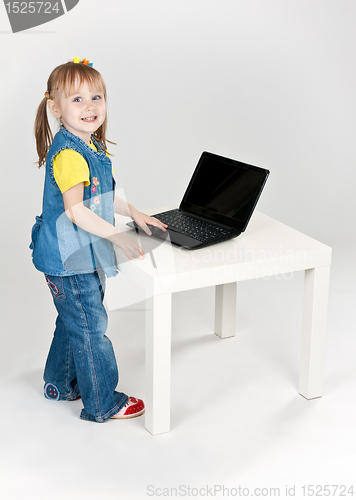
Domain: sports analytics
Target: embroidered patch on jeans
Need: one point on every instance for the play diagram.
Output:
(53, 287)
(51, 392)
(56, 286)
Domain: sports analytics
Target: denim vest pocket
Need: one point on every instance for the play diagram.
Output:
(35, 229)
(55, 284)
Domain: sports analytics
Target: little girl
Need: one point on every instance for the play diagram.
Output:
(73, 241)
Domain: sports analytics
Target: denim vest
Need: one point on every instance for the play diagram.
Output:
(60, 247)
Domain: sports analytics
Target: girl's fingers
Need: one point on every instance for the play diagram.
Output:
(130, 248)
(155, 222)
(137, 251)
(131, 254)
(146, 229)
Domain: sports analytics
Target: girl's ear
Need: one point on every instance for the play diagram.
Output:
(53, 108)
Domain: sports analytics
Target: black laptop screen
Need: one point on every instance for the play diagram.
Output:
(225, 190)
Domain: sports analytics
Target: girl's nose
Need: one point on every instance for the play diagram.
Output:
(90, 104)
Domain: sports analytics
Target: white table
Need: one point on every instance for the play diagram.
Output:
(267, 248)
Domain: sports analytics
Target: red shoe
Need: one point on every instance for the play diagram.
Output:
(133, 408)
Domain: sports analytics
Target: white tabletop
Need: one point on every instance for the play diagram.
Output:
(266, 248)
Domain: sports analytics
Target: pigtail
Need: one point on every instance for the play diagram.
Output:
(100, 136)
(43, 133)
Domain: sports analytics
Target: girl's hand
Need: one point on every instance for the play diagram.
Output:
(130, 248)
(87, 220)
(142, 220)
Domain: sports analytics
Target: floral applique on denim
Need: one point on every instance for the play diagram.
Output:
(95, 201)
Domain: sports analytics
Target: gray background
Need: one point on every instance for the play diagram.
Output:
(268, 82)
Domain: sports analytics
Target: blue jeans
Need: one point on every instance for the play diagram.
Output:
(81, 360)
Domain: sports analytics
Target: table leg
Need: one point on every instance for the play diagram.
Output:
(225, 310)
(316, 288)
(158, 363)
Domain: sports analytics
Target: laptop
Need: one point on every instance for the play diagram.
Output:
(217, 205)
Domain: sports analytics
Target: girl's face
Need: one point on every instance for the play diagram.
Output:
(82, 112)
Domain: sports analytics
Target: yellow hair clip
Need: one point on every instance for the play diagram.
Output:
(76, 60)
(46, 95)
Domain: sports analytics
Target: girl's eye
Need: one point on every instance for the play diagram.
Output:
(77, 99)
(97, 97)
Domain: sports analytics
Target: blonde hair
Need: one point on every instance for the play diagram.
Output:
(62, 79)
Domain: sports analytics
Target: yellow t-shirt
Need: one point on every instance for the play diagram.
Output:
(70, 168)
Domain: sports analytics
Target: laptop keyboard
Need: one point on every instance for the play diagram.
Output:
(189, 226)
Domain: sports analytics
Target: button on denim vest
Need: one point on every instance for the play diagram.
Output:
(60, 247)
